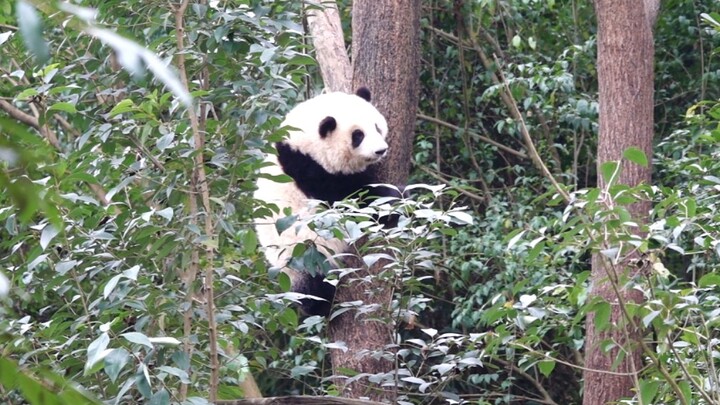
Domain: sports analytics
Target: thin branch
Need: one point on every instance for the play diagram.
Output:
(461, 190)
(515, 113)
(474, 134)
(325, 28)
(547, 399)
(200, 186)
(510, 103)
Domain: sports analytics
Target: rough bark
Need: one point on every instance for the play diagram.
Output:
(323, 22)
(625, 75)
(386, 59)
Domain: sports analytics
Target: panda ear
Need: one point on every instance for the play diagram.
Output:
(327, 125)
(364, 93)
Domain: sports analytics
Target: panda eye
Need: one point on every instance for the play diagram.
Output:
(357, 138)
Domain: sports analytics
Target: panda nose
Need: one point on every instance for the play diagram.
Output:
(381, 152)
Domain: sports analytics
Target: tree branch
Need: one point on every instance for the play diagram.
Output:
(200, 187)
(326, 31)
(500, 146)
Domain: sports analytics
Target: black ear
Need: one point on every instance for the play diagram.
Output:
(364, 93)
(327, 125)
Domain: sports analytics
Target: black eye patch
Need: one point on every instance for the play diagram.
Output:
(357, 138)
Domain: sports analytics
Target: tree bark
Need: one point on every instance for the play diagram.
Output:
(386, 60)
(323, 21)
(625, 75)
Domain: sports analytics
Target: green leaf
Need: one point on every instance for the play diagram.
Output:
(139, 338)
(602, 315)
(48, 233)
(647, 319)
(514, 237)
(130, 54)
(181, 374)
(284, 281)
(31, 27)
(300, 59)
(27, 94)
(110, 286)
(250, 242)
(648, 390)
(63, 106)
(546, 367)
(284, 223)
(686, 390)
(161, 397)
(114, 363)
(608, 170)
(636, 156)
(709, 280)
(122, 107)
(96, 351)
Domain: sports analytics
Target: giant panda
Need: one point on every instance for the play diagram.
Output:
(333, 141)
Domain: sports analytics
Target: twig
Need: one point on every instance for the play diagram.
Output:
(458, 189)
(480, 137)
(200, 186)
(515, 113)
(547, 399)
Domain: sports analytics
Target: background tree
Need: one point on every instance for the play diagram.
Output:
(625, 81)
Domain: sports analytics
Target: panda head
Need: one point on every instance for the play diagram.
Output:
(342, 132)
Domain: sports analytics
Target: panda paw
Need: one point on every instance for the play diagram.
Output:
(318, 287)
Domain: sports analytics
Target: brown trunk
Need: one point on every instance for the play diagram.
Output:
(386, 58)
(625, 75)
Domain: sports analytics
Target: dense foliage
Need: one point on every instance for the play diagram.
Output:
(124, 208)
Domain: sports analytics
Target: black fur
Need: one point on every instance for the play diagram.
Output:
(316, 286)
(327, 125)
(364, 93)
(317, 183)
(357, 138)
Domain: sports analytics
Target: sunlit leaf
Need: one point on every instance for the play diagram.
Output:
(636, 156)
(139, 338)
(31, 29)
(97, 350)
(130, 55)
(546, 367)
(48, 233)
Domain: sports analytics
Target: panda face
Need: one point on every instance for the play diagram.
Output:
(344, 133)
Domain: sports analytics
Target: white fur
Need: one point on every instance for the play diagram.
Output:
(334, 153)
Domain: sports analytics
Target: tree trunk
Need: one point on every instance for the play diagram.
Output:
(386, 60)
(625, 75)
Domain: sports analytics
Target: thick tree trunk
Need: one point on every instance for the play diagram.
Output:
(625, 75)
(386, 60)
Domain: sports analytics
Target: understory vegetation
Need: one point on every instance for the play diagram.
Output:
(122, 214)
